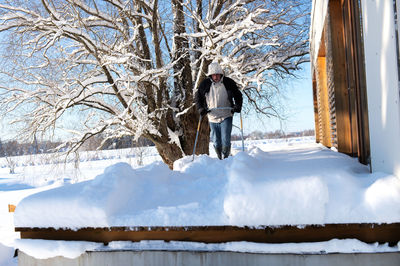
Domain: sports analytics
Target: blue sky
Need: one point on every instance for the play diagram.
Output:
(298, 107)
(300, 103)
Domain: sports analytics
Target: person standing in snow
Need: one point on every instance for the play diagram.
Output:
(219, 97)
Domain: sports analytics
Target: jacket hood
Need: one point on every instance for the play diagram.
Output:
(214, 68)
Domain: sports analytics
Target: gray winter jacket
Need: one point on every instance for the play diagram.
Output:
(234, 94)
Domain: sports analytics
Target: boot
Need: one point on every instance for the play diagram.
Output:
(218, 151)
(226, 151)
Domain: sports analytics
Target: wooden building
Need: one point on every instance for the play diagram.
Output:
(355, 70)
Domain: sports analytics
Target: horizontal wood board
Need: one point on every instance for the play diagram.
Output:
(366, 232)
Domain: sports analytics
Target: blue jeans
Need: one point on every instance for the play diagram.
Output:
(221, 133)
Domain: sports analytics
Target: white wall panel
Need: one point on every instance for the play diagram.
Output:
(318, 15)
(382, 84)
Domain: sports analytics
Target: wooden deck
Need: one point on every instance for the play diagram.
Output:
(366, 232)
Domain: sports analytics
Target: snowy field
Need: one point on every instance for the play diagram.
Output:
(274, 182)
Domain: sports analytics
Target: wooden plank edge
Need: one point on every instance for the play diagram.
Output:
(365, 232)
(11, 208)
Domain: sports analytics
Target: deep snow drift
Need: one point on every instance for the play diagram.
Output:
(302, 184)
(266, 185)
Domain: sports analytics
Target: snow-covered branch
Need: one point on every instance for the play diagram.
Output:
(130, 67)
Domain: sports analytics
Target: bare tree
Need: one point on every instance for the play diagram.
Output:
(10, 150)
(131, 67)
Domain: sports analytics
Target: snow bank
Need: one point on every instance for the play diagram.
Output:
(301, 184)
(44, 249)
(331, 246)
(7, 256)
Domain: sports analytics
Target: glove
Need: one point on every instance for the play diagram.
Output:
(204, 111)
(236, 109)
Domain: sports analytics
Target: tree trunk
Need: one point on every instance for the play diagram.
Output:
(190, 123)
(171, 152)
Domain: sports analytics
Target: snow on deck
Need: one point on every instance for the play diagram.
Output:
(303, 183)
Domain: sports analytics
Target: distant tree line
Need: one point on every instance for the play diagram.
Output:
(274, 134)
(115, 143)
(14, 148)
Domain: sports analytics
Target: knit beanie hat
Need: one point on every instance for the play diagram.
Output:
(214, 68)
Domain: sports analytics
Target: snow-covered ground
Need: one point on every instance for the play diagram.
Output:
(274, 182)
